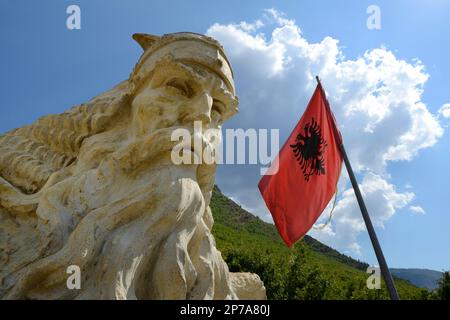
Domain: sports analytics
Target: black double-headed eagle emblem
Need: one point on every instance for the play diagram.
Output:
(309, 150)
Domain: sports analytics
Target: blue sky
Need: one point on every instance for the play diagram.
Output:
(47, 68)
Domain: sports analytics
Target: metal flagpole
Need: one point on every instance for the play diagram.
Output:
(373, 237)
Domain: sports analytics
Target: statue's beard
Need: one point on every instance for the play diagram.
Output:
(145, 231)
(156, 148)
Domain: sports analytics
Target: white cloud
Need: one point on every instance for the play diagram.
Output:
(376, 99)
(417, 210)
(382, 201)
(444, 111)
(251, 27)
(277, 16)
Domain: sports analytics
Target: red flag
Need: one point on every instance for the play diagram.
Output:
(309, 164)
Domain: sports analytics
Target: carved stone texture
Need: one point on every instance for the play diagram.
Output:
(95, 187)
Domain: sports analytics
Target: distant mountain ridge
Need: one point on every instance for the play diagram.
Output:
(423, 278)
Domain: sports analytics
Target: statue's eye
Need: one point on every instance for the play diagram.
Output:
(218, 107)
(181, 86)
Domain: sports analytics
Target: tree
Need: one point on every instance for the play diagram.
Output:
(444, 287)
(304, 281)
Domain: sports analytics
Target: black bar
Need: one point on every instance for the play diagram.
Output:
(362, 206)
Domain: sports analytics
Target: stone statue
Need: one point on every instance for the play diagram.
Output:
(95, 187)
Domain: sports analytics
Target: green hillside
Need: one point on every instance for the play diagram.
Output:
(308, 271)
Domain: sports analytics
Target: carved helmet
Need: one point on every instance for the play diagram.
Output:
(186, 47)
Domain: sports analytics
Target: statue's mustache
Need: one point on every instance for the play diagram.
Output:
(161, 141)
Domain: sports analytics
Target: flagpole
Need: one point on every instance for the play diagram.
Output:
(373, 237)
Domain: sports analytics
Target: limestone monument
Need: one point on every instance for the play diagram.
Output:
(94, 189)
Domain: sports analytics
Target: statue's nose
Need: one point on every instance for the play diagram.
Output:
(200, 109)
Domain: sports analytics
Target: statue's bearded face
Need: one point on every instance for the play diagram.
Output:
(177, 94)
